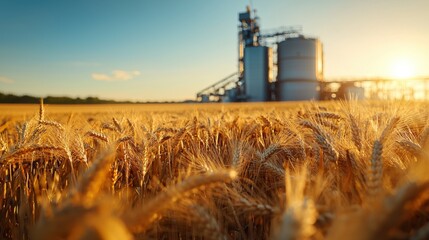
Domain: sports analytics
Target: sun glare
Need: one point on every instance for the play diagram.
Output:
(402, 68)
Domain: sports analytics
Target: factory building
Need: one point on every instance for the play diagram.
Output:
(297, 67)
(285, 65)
(299, 63)
(257, 67)
(300, 68)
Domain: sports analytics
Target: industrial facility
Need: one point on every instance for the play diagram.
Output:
(286, 65)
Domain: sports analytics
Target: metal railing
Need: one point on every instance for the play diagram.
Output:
(215, 89)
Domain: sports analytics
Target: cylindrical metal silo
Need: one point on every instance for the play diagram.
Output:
(300, 68)
(230, 95)
(257, 73)
(205, 98)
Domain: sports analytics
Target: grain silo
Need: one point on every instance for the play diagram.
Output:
(300, 68)
(257, 73)
(230, 95)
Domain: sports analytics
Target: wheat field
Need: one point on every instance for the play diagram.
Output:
(330, 170)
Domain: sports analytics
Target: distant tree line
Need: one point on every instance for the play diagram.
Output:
(11, 98)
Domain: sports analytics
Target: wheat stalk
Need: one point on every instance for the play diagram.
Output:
(52, 123)
(109, 127)
(375, 176)
(330, 154)
(271, 167)
(117, 125)
(255, 208)
(3, 145)
(41, 110)
(356, 136)
(125, 139)
(424, 137)
(328, 115)
(312, 126)
(263, 121)
(332, 126)
(131, 126)
(99, 136)
(389, 128)
(413, 148)
(269, 152)
(30, 149)
(237, 151)
(376, 170)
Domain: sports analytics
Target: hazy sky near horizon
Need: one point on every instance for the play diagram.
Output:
(169, 50)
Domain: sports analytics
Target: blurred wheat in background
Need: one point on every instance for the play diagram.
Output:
(343, 170)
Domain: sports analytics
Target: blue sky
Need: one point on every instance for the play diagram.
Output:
(168, 50)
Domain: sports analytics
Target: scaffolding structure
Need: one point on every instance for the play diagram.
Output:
(415, 88)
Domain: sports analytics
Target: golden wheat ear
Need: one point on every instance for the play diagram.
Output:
(375, 174)
(82, 222)
(300, 214)
(80, 209)
(138, 220)
(355, 132)
(90, 184)
(377, 221)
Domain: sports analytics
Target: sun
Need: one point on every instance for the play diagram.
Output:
(402, 68)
